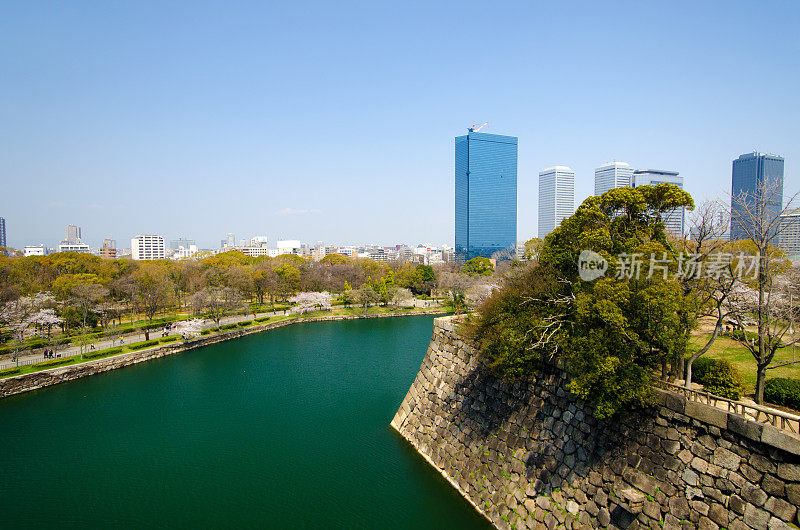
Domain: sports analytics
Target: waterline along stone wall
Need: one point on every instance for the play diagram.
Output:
(531, 455)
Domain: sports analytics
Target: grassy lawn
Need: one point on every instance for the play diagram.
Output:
(740, 357)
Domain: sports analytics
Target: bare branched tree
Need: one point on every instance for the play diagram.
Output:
(758, 217)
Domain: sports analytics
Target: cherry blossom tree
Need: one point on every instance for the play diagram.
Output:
(310, 301)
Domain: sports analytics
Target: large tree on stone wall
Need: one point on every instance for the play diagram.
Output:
(616, 331)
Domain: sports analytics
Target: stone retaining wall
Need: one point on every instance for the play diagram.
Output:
(26, 382)
(531, 455)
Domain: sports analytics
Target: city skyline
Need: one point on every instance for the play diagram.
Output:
(159, 127)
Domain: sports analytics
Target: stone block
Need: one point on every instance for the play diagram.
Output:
(707, 524)
(744, 427)
(727, 459)
(772, 485)
(679, 507)
(755, 517)
(790, 472)
(604, 517)
(793, 493)
(718, 514)
(780, 509)
(699, 464)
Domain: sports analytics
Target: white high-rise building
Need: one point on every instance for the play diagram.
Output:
(674, 220)
(789, 233)
(72, 234)
(612, 175)
(556, 197)
(147, 247)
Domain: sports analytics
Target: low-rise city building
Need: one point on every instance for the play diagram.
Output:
(34, 250)
(109, 249)
(80, 248)
(147, 247)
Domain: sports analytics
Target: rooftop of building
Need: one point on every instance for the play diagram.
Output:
(655, 172)
(615, 164)
(557, 168)
(757, 154)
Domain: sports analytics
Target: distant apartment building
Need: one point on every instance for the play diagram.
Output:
(254, 251)
(556, 197)
(147, 247)
(34, 250)
(790, 233)
(674, 220)
(109, 249)
(72, 234)
(319, 251)
(259, 241)
(80, 248)
(228, 242)
(485, 194)
(612, 175)
(176, 244)
(756, 192)
(289, 246)
(184, 252)
(3, 241)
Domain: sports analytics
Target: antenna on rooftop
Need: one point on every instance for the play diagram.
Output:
(476, 128)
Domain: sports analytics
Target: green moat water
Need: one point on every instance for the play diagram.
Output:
(287, 428)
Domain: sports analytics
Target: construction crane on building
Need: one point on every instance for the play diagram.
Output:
(476, 128)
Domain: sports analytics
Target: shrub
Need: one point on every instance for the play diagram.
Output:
(145, 344)
(719, 377)
(783, 391)
(228, 326)
(246, 323)
(207, 331)
(171, 338)
(262, 319)
(9, 371)
(102, 353)
(53, 362)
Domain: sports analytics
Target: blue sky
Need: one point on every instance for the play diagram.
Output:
(335, 121)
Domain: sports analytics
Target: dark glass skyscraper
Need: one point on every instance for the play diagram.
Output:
(486, 194)
(757, 179)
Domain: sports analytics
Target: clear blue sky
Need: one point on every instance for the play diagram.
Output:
(335, 121)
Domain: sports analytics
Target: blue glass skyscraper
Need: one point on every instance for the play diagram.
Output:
(486, 194)
(756, 192)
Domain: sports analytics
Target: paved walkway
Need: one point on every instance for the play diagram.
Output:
(157, 333)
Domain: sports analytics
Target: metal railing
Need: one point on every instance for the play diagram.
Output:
(779, 419)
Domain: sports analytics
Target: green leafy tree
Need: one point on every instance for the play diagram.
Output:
(614, 332)
(348, 295)
(478, 266)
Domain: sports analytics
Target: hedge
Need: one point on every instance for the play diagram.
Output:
(145, 344)
(169, 338)
(262, 319)
(228, 326)
(54, 362)
(207, 331)
(783, 391)
(102, 353)
(719, 377)
(10, 371)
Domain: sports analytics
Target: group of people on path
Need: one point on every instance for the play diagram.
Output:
(50, 354)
